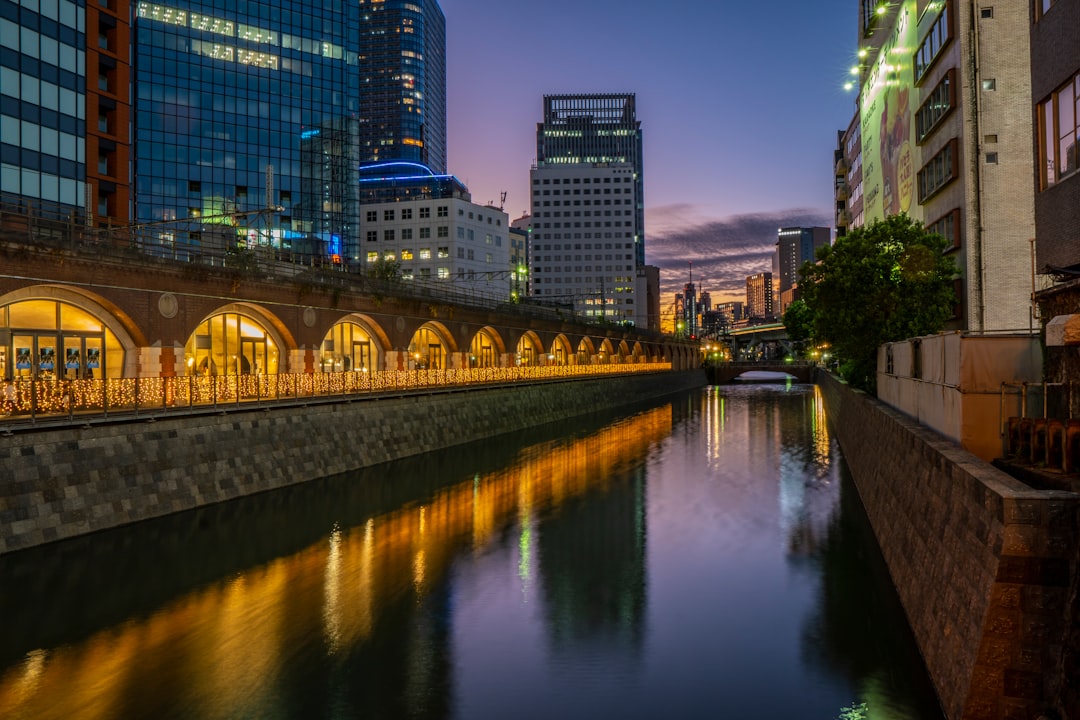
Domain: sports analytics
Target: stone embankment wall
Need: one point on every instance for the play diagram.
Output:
(62, 483)
(985, 566)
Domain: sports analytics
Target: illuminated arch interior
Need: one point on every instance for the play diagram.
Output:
(54, 339)
(427, 351)
(529, 351)
(484, 350)
(349, 346)
(231, 344)
(560, 351)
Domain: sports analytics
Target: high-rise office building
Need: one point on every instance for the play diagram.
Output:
(948, 141)
(64, 108)
(403, 82)
(587, 208)
(596, 130)
(245, 107)
(759, 297)
(795, 246)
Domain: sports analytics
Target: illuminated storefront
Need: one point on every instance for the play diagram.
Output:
(484, 351)
(427, 351)
(584, 351)
(231, 344)
(560, 351)
(348, 346)
(528, 351)
(52, 339)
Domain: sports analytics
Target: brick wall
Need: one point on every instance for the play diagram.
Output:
(63, 483)
(986, 568)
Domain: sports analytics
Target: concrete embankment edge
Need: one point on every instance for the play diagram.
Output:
(985, 567)
(63, 483)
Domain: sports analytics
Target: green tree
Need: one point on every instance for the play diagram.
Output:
(881, 283)
(799, 323)
(383, 269)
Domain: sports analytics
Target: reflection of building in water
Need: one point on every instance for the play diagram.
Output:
(366, 611)
(787, 440)
(592, 556)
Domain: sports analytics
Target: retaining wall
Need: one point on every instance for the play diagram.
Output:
(62, 483)
(985, 566)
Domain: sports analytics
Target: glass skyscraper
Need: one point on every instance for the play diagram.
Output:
(243, 107)
(403, 82)
(43, 102)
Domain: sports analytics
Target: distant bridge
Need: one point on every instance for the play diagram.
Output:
(724, 373)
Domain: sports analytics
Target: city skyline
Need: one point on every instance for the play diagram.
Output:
(740, 123)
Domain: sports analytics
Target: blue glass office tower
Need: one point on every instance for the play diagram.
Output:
(243, 106)
(403, 82)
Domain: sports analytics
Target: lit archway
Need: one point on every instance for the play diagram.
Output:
(428, 349)
(233, 343)
(351, 345)
(48, 332)
(560, 351)
(529, 350)
(606, 354)
(585, 351)
(486, 349)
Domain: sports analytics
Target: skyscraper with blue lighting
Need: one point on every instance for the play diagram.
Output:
(403, 82)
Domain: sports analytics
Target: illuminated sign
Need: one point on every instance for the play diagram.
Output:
(890, 155)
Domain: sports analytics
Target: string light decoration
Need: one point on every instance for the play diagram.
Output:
(54, 397)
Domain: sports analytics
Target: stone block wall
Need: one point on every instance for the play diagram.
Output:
(62, 483)
(985, 567)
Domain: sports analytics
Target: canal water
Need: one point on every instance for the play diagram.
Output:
(706, 557)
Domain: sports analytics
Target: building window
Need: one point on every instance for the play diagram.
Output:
(444, 273)
(1042, 7)
(939, 171)
(406, 213)
(406, 233)
(939, 36)
(372, 235)
(406, 255)
(948, 227)
(1059, 129)
(989, 84)
(444, 252)
(443, 231)
(939, 103)
(425, 213)
(388, 235)
(388, 215)
(991, 158)
(443, 211)
(425, 253)
(425, 233)
(372, 216)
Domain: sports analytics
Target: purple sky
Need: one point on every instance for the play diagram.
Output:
(739, 104)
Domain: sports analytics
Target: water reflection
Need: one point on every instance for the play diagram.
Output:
(368, 605)
(702, 558)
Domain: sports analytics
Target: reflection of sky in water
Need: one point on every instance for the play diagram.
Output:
(656, 567)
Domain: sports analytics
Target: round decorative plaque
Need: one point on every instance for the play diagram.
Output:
(168, 306)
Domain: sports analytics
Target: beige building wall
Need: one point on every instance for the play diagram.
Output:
(952, 383)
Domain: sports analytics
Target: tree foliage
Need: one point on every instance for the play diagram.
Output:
(881, 283)
(799, 322)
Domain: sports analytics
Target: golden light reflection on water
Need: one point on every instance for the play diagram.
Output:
(220, 648)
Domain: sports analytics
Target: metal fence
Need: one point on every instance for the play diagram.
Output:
(57, 401)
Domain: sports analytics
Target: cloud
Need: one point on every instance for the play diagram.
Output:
(721, 252)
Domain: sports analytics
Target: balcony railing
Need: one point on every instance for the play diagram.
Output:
(55, 401)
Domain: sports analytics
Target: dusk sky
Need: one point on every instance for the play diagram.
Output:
(739, 104)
